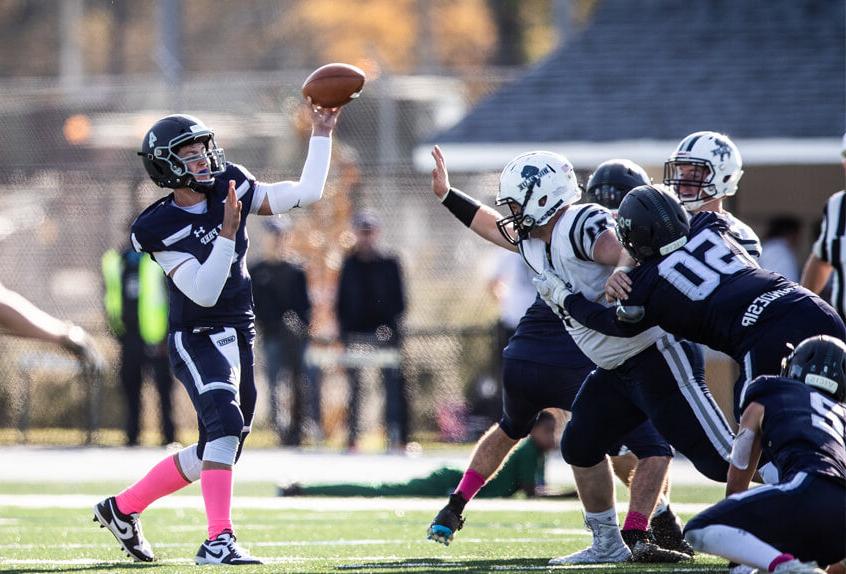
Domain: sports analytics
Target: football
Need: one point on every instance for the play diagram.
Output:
(333, 85)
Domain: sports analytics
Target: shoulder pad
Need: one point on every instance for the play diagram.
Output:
(762, 387)
(158, 228)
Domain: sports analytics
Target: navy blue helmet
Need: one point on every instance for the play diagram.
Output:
(612, 180)
(163, 141)
(819, 362)
(651, 223)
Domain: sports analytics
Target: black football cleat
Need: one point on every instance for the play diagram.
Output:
(644, 549)
(448, 521)
(126, 528)
(667, 529)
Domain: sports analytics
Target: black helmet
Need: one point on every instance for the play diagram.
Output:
(651, 223)
(819, 362)
(612, 180)
(164, 139)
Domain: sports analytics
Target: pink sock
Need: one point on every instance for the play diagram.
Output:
(779, 559)
(162, 479)
(217, 494)
(470, 484)
(636, 521)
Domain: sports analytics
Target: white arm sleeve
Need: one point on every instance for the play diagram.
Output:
(201, 283)
(286, 195)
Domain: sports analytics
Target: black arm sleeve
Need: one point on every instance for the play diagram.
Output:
(603, 319)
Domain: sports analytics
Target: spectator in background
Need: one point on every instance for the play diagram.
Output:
(827, 254)
(778, 252)
(283, 315)
(136, 310)
(369, 308)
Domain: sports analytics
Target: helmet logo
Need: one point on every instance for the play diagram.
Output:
(151, 140)
(722, 149)
(532, 176)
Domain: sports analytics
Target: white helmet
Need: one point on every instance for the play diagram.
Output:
(710, 163)
(535, 186)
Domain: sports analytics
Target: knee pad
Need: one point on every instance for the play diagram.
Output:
(579, 452)
(222, 450)
(231, 421)
(190, 462)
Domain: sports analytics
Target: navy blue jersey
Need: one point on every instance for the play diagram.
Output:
(540, 337)
(165, 227)
(803, 430)
(711, 291)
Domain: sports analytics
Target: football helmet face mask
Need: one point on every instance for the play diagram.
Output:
(705, 166)
(535, 186)
(612, 180)
(651, 223)
(819, 362)
(163, 162)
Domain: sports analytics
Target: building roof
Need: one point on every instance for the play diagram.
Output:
(641, 75)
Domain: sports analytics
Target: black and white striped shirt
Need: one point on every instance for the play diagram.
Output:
(829, 246)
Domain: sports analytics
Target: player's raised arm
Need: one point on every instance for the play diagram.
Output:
(479, 218)
(282, 196)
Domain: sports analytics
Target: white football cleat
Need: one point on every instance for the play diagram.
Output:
(608, 546)
(224, 550)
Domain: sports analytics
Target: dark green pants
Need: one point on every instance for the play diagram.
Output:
(440, 483)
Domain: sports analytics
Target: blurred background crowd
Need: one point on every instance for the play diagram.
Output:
(81, 81)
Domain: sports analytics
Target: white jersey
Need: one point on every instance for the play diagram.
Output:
(744, 235)
(570, 257)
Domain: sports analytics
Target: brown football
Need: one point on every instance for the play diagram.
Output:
(333, 85)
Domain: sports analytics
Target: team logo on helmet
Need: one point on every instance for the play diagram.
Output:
(151, 141)
(722, 149)
(532, 176)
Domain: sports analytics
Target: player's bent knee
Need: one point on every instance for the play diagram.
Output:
(511, 430)
(695, 537)
(230, 418)
(577, 452)
(716, 470)
(222, 450)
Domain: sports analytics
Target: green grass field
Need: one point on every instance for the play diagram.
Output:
(323, 537)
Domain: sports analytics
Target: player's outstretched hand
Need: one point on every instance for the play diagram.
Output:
(80, 343)
(231, 213)
(618, 286)
(440, 176)
(323, 120)
(447, 522)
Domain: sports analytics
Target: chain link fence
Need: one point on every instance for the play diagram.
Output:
(72, 183)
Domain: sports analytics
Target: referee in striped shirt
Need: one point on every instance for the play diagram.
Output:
(829, 251)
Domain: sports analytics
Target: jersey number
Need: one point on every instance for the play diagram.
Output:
(829, 417)
(697, 275)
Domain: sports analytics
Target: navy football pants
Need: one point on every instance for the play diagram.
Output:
(530, 387)
(216, 368)
(665, 384)
(804, 516)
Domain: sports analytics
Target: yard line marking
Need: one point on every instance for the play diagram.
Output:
(323, 504)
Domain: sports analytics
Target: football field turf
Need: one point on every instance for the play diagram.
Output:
(48, 528)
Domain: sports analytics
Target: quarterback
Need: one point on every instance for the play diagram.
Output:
(198, 236)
